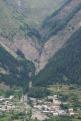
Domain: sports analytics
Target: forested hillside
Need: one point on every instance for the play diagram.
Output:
(65, 66)
(14, 71)
(49, 40)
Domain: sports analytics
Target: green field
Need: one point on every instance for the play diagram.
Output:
(66, 89)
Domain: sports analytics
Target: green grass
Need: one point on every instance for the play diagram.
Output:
(66, 89)
(4, 118)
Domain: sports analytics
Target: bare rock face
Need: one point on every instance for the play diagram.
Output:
(28, 47)
(40, 55)
(56, 42)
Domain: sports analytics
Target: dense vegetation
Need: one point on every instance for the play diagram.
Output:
(60, 119)
(16, 70)
(65, 66)
(39, 92)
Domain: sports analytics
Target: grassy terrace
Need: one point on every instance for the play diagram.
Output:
(66, 89)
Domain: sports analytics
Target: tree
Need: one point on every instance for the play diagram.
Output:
(38, 92)
(28, 115)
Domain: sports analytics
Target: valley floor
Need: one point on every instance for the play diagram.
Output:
(64, 98)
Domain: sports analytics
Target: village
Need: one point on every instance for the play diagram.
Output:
(51, 106)
(41, 108)
(10, 104)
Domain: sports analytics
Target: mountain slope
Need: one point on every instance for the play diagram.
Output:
(15, 13)
(50, 37)
(65, 66)
(14, 71)
(59, 19)
(69, 20)
(20, 22)
(37, 43)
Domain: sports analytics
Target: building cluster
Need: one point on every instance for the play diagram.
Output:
(41, 108)
(51, 106)
(9, 104)
(12, 104)
(6, 104)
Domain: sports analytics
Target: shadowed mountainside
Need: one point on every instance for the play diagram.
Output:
(65, 66)
(39, 44)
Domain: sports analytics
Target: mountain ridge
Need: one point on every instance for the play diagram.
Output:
(64, 67)
(41, 44)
